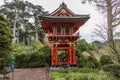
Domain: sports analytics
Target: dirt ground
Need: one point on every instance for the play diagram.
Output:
(30, 74)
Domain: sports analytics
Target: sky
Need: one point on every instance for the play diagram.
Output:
(86, 31)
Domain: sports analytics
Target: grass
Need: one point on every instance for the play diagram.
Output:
(81, 74)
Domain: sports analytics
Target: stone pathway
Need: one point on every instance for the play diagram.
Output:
(29, 74)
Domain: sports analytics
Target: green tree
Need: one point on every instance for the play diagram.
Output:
(5, 44)
(19, 13)
(37, 10)
(82, 45)
(97, 44)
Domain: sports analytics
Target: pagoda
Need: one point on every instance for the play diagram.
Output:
(61, 28)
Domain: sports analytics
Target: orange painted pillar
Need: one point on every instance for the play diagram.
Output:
(68, 57)
(56, 55)
(74, 55)
(70, 54)
(53, 57)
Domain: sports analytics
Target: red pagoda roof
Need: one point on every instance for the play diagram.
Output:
(62, 14)
(62, 6)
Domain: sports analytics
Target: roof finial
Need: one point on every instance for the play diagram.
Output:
(63, 4)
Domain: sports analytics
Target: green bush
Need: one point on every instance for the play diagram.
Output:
(38, 58)
(82, 45)
(31, 60)
(105, 60)
(92, 62)
(81, 60)
(114, 69)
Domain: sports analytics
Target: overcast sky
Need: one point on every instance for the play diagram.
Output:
(87, 29)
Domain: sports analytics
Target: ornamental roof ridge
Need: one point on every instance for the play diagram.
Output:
(62, 6)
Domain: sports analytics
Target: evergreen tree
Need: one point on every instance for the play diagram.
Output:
(5, 44)
(19, 13)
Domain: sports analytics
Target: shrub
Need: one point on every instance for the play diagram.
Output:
(81, 61)
(114, 69)
(92, 62)
(31, 60)
(105, 60)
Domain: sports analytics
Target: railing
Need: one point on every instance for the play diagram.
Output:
(75, 34)
(72, 37)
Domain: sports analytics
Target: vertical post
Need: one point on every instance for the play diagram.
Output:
(74, 55)
(52, 54)
(70, 54)
(56, 56)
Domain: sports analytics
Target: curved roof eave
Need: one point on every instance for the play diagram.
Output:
(65, 17)
(62, 6)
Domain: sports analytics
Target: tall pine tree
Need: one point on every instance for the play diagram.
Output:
(5, 44)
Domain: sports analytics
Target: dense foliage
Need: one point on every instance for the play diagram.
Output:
(90, 62)
(85, 61)
(32, 57)
(5, 44)
(24, 20)
(114, 69)
(82, 45)
(105, 60)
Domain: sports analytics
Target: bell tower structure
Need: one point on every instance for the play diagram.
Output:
(61, 28)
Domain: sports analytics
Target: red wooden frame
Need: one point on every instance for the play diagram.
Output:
(71, 54)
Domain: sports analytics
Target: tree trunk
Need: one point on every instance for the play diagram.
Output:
(14, 26)
(28, 40)
(36, 30)
(36, 34)
(23, 40)
(109, 21)
(14, 30)
(111, 41)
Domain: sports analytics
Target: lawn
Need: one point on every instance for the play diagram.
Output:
(81, 74)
